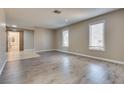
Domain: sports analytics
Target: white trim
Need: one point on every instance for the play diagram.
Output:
(99, 58)
(3, 64)
(46, 50)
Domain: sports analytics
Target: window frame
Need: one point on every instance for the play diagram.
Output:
(93, 23)
(63, 38)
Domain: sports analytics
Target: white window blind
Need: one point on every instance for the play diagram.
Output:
(96, 36)
(65, 38)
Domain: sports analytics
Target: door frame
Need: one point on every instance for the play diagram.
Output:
(21, 39)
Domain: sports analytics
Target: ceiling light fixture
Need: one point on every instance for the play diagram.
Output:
(66, 20)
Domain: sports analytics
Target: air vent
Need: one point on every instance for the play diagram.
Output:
(57, 11)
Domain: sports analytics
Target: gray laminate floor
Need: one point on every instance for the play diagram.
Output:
(57, 68)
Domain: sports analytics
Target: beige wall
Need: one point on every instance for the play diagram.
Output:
(43, 39)
(114, 37)
(2, 38)
(28, 40)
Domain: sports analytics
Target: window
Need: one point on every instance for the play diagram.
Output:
(96, 36)
(65, 38)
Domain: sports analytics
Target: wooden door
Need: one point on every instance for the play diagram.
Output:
(6, 41)
(21, 40)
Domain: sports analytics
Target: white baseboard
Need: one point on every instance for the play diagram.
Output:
(46, 50)
(3, 64)
(99, 58)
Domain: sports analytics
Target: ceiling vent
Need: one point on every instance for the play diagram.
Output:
(57, 11)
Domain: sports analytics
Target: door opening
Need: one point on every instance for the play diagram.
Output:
(14, 41)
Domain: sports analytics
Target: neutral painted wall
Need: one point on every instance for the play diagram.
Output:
(114, 36)
(2, 38)
(28, 40)
(43, 39)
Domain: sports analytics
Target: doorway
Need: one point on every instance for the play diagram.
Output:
(14, 41)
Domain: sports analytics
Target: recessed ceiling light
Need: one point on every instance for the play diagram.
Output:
(57, 11)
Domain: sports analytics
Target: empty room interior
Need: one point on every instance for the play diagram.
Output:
(61, 46)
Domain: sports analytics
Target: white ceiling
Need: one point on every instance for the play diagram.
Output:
(44, 17)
